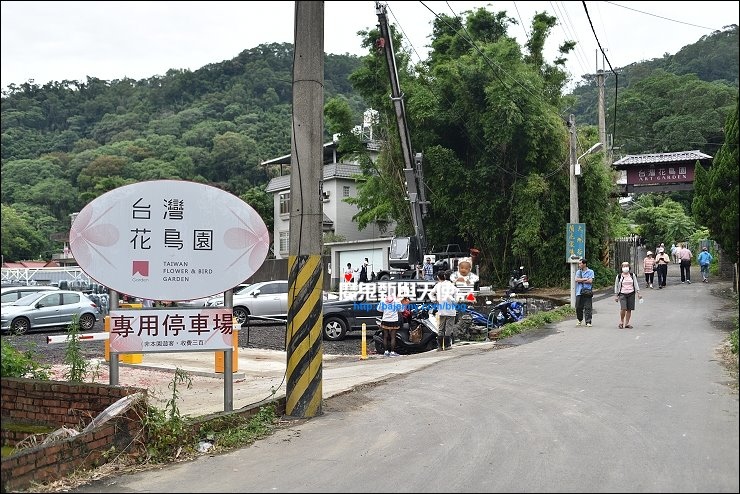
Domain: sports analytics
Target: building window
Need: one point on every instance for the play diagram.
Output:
(284, 242)
(285, 203)
(345, 191)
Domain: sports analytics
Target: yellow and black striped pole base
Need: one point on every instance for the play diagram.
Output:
(303, 342)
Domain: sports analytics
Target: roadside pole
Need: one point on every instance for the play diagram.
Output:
(304, 348)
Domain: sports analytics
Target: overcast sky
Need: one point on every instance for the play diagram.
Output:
(47, 41)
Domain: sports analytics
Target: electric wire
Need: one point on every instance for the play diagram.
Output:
(565, 25)
(461, 118)
(521, 22)
(616, 81)
(661, 17)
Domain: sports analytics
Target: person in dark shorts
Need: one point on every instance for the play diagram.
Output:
(625, 288)
(389, 323)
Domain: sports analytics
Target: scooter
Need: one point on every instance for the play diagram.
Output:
(519, 281)
(505, 312)
(404, 345)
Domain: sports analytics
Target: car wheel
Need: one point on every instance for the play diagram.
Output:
(335, 329)
(241, 314)
(384, 277)
(87, 322)
(20, 326)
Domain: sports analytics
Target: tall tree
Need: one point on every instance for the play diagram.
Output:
(486, 117)
(716, 192)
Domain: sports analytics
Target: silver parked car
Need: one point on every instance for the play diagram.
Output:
(12, 293)
(48, 309)
(265, 298)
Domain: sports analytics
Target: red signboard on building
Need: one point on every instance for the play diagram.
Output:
(660, 174)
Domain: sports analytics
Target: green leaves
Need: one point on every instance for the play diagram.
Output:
(716, 192)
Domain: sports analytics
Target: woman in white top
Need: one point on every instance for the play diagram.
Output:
(389, 323)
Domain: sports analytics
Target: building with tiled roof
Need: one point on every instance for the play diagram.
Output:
(659, 172)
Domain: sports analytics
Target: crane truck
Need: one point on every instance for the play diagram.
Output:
(406, 253)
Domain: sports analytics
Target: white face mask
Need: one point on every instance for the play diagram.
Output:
(625, 270)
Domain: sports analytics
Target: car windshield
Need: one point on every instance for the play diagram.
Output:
(242, 289)
(29, 299)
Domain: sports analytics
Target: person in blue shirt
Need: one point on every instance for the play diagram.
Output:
(584, 301)
(704, 259)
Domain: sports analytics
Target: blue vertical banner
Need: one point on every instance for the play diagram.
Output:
(575, 242)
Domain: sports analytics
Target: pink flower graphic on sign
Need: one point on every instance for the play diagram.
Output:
(87, 233)
(127, 343)
(253, 239)
(224, 318)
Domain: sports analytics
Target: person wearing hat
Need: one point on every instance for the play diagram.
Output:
(704, 258)
(428, 269)
(661, 261)
(648, 266)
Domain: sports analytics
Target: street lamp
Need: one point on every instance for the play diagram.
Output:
(592, 149)
(575, 171)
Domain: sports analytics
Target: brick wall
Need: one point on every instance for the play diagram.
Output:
(57, 404)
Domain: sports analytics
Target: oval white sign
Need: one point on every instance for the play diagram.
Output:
(169, 240)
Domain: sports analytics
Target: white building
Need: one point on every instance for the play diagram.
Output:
(340, 182)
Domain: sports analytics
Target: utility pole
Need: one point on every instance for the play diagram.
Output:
(600, 82)
(573, 199)
(601, 86)
(305, 268)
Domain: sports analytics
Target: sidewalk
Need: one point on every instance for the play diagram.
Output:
(260, 372)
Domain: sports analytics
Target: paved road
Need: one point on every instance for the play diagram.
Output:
(564, 409)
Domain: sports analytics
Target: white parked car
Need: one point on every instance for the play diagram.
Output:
(265, 298)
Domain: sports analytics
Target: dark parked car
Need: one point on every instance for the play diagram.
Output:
(341, 316)
(49, 309)
(358, 307)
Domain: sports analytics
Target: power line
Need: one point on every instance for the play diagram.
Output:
(661, 17)
(616, 81)
(524, 28)
(569, 33)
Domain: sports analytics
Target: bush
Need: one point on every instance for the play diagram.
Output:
(21, 364)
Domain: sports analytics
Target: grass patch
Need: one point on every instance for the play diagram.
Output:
(236, 431)
(537, 321)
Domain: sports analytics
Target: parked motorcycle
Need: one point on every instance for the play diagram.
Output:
(505, 312)
(404, 345)
(519, 281)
